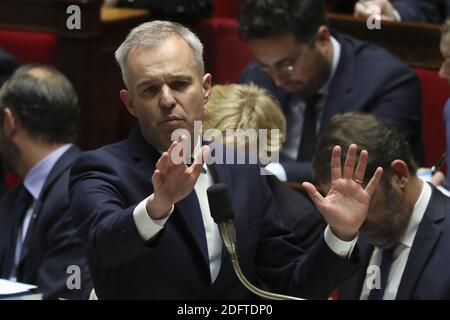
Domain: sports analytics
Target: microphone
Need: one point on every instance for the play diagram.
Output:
(222, 214)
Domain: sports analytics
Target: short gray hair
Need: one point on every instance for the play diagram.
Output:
(151, 35)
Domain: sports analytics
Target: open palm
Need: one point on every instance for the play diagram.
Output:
(346, 205)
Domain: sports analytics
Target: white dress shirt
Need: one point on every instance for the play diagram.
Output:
(295, 117)
(401, 253)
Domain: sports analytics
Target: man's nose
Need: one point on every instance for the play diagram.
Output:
(167, 99)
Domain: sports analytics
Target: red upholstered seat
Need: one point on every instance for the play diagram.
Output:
(225, 54)
(30, 46)
(226, 8)
(435, 92)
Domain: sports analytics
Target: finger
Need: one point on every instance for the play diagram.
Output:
(156, 179)
(373, 183)
(349, 166)
(163, 163)
(199, 160)
(315, 195)
(438, 178)
(336, 163)
(362, 165)
(360, 10)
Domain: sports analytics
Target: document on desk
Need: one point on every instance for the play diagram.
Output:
(11, 288)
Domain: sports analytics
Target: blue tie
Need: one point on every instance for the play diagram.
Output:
(386, 262)
(309, 130)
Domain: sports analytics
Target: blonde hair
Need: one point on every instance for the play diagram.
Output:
(245, 106)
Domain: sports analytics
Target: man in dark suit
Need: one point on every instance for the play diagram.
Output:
(144, 216)
(316, 74)
(405, 239)
(38, 243)
(7, 66)
(431, 11)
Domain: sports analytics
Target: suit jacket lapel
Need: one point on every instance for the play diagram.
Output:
(426, 238)
(341, 84)
(60, 166)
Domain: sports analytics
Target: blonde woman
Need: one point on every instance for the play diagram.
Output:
(242, 107)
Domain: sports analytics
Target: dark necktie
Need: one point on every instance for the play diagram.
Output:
(23, 202)
(386, 262)
(309, 130)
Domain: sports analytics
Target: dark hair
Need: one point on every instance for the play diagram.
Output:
(44, 102)
(368, 132)
(266, 18)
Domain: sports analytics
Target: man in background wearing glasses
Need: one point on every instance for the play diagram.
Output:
(316, 73)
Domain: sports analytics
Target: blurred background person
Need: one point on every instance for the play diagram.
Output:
(38, 126)
(316, 73)
(431, 11)
(246, 106)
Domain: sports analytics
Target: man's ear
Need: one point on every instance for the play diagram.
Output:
(323, 36)
(207, 83)
(399, 173)
(128, 102)
(9, 123)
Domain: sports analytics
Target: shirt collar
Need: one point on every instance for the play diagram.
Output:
(336, 56)
(35, 179)
(416, 216)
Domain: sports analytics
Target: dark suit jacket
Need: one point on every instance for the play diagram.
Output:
(432, 11)
(51, 244)
(298, 213)
(426, 274)
(7, 65)
(367, 78)
(107, 184)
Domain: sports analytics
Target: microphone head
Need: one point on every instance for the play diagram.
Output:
(220, 203)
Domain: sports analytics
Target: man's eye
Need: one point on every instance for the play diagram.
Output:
(151, 90)
(179, 85)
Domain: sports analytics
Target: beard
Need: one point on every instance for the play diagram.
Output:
(9, 153)
(386, 233)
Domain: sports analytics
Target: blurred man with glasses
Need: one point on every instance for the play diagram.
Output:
(316, 73)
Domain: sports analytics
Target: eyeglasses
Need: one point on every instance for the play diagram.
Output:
(286, 67)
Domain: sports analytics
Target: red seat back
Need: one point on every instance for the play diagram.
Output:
(225, 54)
(30, 47)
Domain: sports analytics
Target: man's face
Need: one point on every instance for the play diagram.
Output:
(387, 218)
(166, 90)
(444, 72)
(388, 215)
(298, 68)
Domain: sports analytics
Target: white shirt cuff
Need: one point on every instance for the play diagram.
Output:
(342, 248)
(277, 169)
(146, 226)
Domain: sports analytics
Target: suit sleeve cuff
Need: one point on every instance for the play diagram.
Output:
(277, 169)
(343, 249)
(146, 226)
